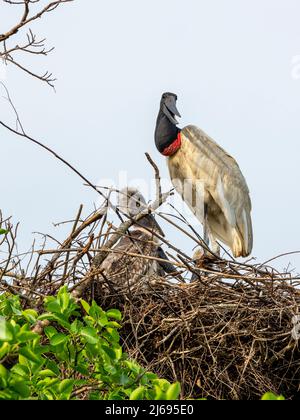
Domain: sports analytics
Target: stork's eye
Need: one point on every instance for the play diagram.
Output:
(138, 204)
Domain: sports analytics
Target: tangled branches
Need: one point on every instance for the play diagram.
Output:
(227, 335)
(228, 340)
(31, 11)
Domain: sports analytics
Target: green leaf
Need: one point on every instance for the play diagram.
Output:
(21, 370)
(50, 331)
(16, 309)
(118, 352)
(159, 394)
(30, 355)
(30, 315)
(150, 376)
(269, 396)
(113, 324)
(46, 395)
(64, 298)
(123, 379)
(134, 367)
(96, 308)
(115, 314)
(21, 388)
(4, 349)
(3, 232)
(66, 386)
(113, 334)
(48, 382)
(75, 327)
(90, 335)
(3, 372)
(173, 391)
(95, 396)
(103, 321)
(54, 307)
(6, 333)
(58, 339)
(82, 369)
(85, 306)
(60, 319)
(24, 336)
(54, 367)
(46, 373)
(162, 383)
(110, 353)
(137, 394)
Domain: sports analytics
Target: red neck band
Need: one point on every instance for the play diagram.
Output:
(172, 149)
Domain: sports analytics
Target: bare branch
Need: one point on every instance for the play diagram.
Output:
(32, 10)
(157, 177)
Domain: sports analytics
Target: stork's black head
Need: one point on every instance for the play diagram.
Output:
(168, 106)
(166, 130)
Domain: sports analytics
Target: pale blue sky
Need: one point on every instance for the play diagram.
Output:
(230, 62)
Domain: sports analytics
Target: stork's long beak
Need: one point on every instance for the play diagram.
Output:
(170, 109)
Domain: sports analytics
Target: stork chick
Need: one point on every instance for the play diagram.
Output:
(121, 268)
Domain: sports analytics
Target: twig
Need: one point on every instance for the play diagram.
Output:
(31, 45)
(159, 196)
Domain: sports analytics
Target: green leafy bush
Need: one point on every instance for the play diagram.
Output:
(78, 357)
(269, 396)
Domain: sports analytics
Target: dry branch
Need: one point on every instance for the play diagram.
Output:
(30, 11)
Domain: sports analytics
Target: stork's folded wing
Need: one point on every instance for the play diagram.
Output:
(222, 179)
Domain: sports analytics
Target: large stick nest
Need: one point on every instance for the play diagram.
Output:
(231, 334)
(220, 339)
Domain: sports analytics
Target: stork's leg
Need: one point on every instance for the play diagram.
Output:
(206, 230)
(215, 247)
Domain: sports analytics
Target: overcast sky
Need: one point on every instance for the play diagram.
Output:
(235, 66)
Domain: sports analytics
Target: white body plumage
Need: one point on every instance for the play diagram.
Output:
(207, 177)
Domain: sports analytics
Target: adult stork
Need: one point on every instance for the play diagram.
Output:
(123, 268)
(208, 179)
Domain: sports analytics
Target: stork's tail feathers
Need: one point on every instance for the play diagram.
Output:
(242, 236)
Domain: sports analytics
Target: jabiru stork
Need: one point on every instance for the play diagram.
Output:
(208, 179)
